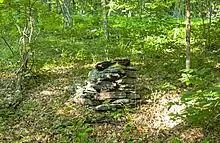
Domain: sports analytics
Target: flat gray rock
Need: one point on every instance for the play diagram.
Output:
(121, 101)
(111, 84)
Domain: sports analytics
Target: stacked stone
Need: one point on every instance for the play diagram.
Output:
(111, 84)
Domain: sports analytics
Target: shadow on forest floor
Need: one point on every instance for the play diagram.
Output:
(47, 114)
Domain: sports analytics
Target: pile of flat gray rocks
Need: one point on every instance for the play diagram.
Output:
(111, 84)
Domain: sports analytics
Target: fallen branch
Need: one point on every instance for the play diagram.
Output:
(8, 45)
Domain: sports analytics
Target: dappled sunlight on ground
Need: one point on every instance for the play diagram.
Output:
(146, 122)
(48, 102)
(192, 135)
(156, 115)
(71, 109)
(66, 68)
(7, 75)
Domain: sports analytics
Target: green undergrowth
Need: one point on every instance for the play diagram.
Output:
(62, 60)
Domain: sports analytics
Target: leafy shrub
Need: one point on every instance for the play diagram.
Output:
(74, 131)
(197, 77)
(202, 106)
(203, 100)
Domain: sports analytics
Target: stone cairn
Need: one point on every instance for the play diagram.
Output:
(111, 84)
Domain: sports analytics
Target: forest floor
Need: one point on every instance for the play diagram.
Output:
(47, 113)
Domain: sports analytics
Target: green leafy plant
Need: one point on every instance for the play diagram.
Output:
(203, 101)
(202, 105)
(196, 77)
(75, 130)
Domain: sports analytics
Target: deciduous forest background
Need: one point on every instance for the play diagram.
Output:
(47, 48)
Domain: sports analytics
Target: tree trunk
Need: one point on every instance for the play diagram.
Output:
(176, 14)
(25, 47)
(73, 6)
(188, 25)
(105, 19)
(210, 23)
(49, 5)
(67, 16)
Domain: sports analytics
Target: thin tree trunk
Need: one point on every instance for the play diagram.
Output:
(73, 6)
(176, 14)
(105, 19)
(188, 27)
(67, 16)
(49, 5)
(25, 41)
(210, 23)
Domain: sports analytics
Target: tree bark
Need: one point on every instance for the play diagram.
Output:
(67, 16)
(188, 27)
(105, 19)
(209, 25)
(25, 48)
